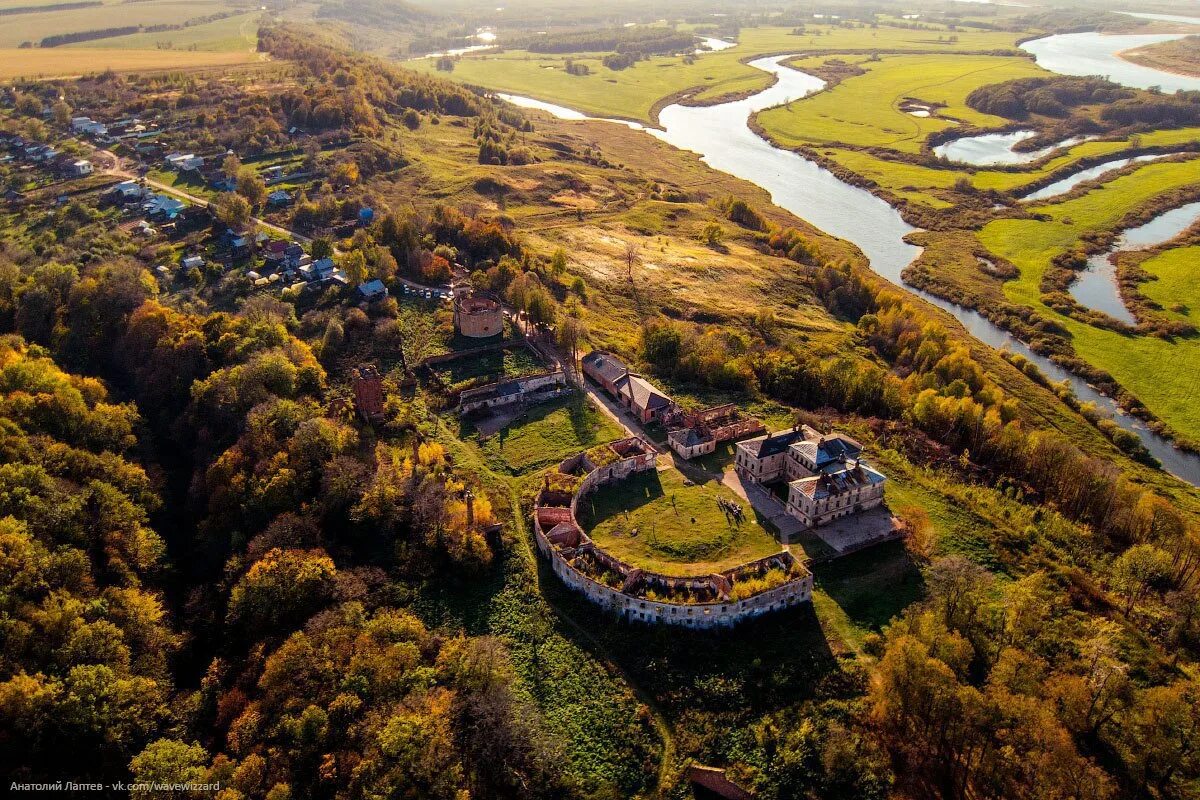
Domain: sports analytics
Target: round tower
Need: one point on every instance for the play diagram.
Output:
(477, 316)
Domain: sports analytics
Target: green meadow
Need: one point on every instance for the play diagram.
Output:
(633, 93)
(1139, 363)
(35, 26)
(224, 35)
(864, 110)
(1176, 284)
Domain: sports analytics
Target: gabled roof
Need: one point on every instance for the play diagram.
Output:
(606, 365)
(772, 444)
(372, 287)
(641, 392)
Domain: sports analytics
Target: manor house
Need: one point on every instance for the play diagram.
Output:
(825, 475)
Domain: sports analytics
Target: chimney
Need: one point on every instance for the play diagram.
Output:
(469, 496)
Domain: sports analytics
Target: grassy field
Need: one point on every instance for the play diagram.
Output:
(924, 184)
(493, 365)
(632, 93)
(680, 529)
(547, 434)
(1181, 56)
(232, 34)
(35, 26)
(1175, 287)
(864, 109)
(1031, 244)
(61, 62)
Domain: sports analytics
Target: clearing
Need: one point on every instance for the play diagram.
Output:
(661, 521)
(544, 435)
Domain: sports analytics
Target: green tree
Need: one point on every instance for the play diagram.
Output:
(232, 209)
(251, 186)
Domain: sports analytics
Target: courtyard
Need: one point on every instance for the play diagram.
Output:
(662, 521)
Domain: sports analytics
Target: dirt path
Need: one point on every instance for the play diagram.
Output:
(111, 164)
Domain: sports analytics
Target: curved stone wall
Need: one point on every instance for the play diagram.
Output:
(561, 540)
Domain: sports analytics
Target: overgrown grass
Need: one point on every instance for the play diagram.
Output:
(657, 521)
(547, 434)
(493, 365)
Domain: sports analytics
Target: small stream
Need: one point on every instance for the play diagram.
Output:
(1097, 286)
(996, 149)
(721, 136)
(1084, 175)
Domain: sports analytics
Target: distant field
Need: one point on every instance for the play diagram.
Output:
(1181, 56)
(864, 110)
(632, 93)
(232, 34)
(1135, 361)
(34, 27)
(62, 62)
(680, 529)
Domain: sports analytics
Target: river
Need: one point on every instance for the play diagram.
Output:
(723, 139)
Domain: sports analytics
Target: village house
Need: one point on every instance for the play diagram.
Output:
(81, 168)
(372, 290)
(129, 192)
(642, 398)
(529, 389)
(605, 369)
(697, 433)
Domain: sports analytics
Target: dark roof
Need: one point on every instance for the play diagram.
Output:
(372, 287)
(829, 449)
(838, 480)
(608, 366)
(687, 437)
(642, 393)
(772, 444)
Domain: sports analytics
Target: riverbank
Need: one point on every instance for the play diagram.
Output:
(1180, 57)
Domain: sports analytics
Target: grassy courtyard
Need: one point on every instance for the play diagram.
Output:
(493, 365)
(680, 529)
(547, 434)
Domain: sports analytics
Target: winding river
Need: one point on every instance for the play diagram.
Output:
(721, 136)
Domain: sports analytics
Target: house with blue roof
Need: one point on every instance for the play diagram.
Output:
(372, 290)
